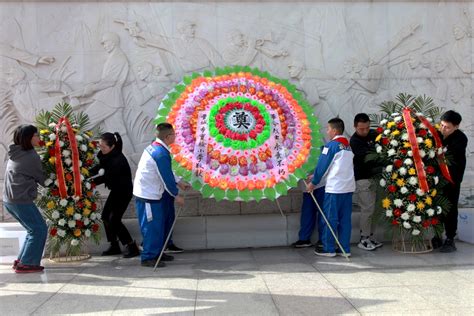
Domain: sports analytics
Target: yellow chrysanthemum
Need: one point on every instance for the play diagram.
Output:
(396, 133)
(428, 200)
(390, 124)
(89, 133)
(77, 232)
(69, 211)
(420, 205)
(87, 203)
(90, 155)
(86, 212)
(386, 203)
(406, 144)
(411, 171)
(428, 143)
(84, 171)
(378, 138)
(400, 182)
(434, 192)
(44, 131)
(437, 126)
(394, 176)
(49, 144)
(50, 205)
(52, 160)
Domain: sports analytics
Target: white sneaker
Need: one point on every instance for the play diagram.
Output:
(322, 253)
(376, 243)
(366, 244)
(340, 254)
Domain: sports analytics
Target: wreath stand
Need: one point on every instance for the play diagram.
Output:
(404, 242)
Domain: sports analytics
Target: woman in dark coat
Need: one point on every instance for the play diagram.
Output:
(117, 177)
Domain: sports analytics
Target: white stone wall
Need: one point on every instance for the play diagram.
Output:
(347, 57)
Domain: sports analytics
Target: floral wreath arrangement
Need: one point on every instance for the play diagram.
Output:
(241, 134)
(69, 198)
(415, 168)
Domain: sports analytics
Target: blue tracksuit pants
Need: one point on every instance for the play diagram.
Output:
(310, 213)
(154, 231)
(338, 211)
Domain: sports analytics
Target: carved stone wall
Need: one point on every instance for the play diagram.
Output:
(116, 60)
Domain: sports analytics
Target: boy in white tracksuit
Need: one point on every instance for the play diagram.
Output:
(336, 165)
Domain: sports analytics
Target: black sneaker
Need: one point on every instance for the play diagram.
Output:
(436, 242)
(114, 249)
(166, 257)
(151, 263)
(448, 246)
(323, 253)
(173, 249)
(302, 244)
(319, 246)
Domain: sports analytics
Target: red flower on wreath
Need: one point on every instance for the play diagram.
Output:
(426, 224)
(379, 130)
(412, 197)
(430, 170)
(397, 212)
(397, 163)
(422, 132)
(53, 231)
(391, 188)
(385, 141)
(95, 228)
(434, 221)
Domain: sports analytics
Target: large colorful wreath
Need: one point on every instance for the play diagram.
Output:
(416, 170)
(241, 134)
(69, 198)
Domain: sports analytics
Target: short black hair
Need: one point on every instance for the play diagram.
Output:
(452, 117)
(113, 140)
(361, 118)
(23, 134)
(337, 124)
(163, 130)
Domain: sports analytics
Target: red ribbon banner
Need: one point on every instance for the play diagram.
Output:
(441, 161)
(75, 160)
(420, 170)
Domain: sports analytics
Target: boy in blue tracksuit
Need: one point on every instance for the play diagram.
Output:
(336, 166)
(156, 190)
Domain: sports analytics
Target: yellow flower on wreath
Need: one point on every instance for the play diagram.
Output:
(86, 212)
(49, 144)
(428, 200)
(420, 205)
(394, 176)
(44, 131)
(391, 124)
(411, 171)
(69, 211)
(77, 232)
(396, 133)
(406, 144)
(50, 205)
(428, 143)
(401, 182)
(87, 203)
(386, 203)
(52, 160)
(434, 192)
(378, 138)
(84, 171)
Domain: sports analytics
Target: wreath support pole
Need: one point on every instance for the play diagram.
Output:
(279, 207)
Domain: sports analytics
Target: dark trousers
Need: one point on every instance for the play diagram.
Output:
(114, 208)
(450, 219)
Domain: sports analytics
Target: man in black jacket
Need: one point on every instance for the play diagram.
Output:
(455, 143)
(362, 141)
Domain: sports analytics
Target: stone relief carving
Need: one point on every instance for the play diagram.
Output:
(355, 71)
(104, 98)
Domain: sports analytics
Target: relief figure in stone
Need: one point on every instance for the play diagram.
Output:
(191, 53)
(103, 98)
(248, 51)
(150, 83)
(461, 49)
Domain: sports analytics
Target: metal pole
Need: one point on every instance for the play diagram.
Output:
(329, 226)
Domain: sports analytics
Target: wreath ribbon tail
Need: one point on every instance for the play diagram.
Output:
(420, 170)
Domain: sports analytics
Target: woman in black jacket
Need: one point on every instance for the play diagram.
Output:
(117, 177)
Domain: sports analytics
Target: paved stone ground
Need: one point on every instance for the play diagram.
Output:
(265, 281)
